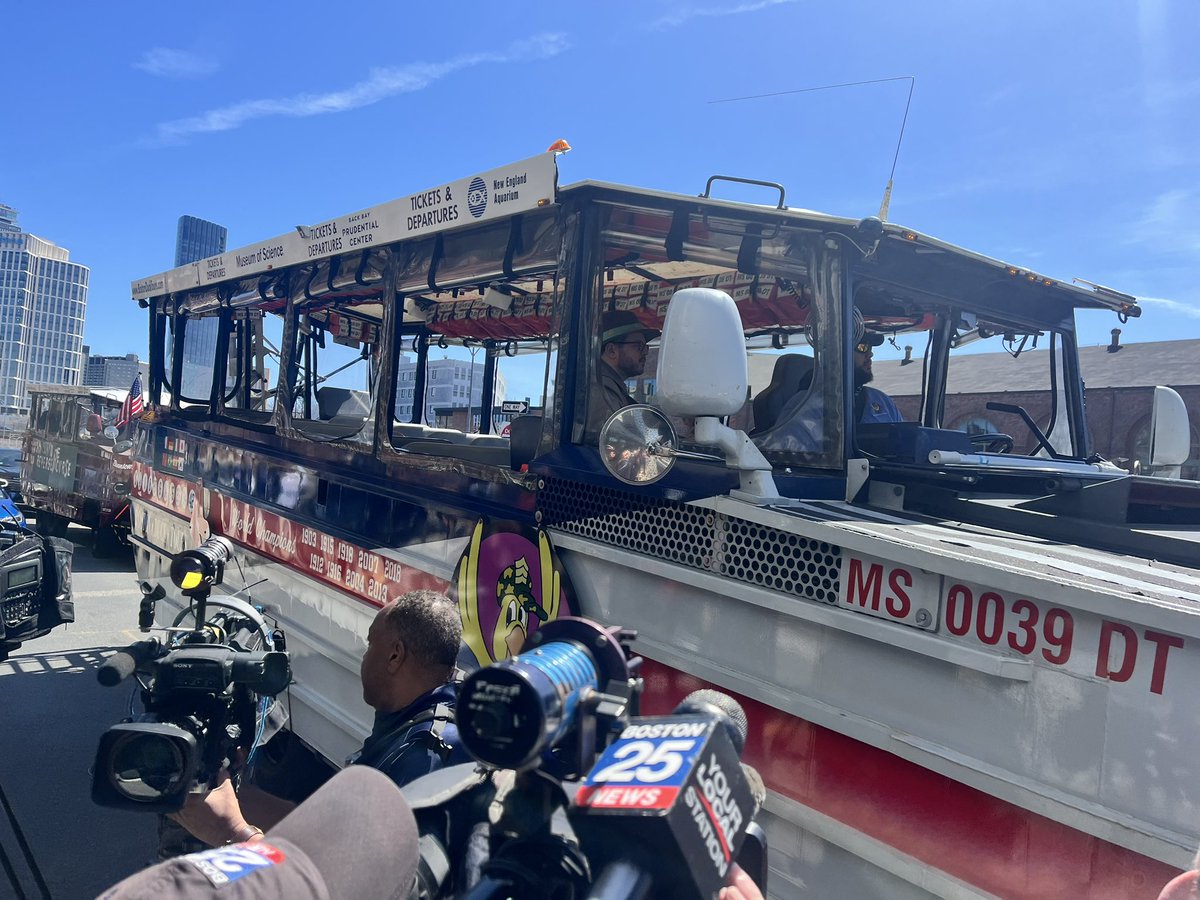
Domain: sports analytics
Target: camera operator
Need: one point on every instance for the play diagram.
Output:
(408, 678)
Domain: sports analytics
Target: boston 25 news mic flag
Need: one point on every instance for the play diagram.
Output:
(132, 407)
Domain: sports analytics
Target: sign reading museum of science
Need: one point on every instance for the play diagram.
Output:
(510, 189)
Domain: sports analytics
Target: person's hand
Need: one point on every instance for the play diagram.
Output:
(741, 886)
(215, 817)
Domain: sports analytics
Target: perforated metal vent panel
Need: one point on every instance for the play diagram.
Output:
(660, 528)
(694, 537)
(781, 560)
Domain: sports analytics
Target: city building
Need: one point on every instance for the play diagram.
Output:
(112, 371)
(43, 298)
(197, 239)
(449, 384)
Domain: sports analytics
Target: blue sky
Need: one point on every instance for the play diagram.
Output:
(1061, 136)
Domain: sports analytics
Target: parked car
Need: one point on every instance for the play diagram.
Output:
(10, 472)
(10, 512)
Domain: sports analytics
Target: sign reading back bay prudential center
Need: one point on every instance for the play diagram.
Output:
(514, 188)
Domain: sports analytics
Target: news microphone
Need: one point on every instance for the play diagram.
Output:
(666, 807)
(125, 662)
(709, 702)
(752, 856)
(758, 789)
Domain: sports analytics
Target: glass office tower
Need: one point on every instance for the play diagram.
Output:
(43, 298)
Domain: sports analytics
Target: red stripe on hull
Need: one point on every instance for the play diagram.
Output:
(982, 840)
(363, 574)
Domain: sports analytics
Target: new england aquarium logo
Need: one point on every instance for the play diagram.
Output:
(477, 196)
(508, 581)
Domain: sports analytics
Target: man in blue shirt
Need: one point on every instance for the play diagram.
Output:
(871, 405)
(408, 677)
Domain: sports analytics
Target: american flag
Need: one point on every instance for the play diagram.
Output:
(132, 407)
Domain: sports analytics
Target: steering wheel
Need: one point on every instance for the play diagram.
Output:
(991, 442)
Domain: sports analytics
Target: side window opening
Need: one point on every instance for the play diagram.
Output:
(453, 415)
(253, 364)
(254, 331)
(196, 367)
(1030, 367)
(336, 380)
(478, 350)
(337, 338)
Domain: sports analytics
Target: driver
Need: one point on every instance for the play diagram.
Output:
(801, 423)
(623, 351)
(871, 405)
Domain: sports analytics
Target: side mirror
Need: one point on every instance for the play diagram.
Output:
(1170, 433)
(702, 366)
(123, 446)
(111, 432)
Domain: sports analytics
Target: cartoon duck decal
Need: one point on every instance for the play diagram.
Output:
(507, 583)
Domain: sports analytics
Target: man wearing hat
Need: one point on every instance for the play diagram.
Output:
(623, 350)
(871, 405)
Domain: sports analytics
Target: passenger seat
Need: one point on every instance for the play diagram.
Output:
(793, 373)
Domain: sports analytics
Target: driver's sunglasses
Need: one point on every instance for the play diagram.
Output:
(631, 343)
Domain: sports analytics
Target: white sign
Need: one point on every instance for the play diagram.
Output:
(510, 189)
(514, 407)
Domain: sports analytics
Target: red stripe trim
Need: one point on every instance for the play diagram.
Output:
(982, 840)
(362, 574)
(712, 817)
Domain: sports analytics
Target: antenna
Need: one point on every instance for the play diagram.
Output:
(912, 82)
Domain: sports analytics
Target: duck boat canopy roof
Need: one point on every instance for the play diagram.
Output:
(515, 207)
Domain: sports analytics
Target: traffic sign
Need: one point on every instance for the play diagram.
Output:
(514, 407)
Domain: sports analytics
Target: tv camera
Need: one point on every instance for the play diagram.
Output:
(206, 690)
(35, 584)
(576, 795)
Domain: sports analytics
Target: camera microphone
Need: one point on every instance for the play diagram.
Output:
(666, 808)
(125, 662)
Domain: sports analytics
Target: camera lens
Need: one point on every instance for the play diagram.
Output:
(510, 712)
(146, 766)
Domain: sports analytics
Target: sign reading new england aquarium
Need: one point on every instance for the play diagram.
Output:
(510, 189)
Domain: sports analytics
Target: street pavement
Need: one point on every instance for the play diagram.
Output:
(54, 842)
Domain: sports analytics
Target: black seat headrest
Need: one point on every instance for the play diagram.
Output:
(524, 434)
(792, 374)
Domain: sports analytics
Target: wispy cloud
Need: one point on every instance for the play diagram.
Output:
(684, 14)
(378, 85)
(1168, 223)
(1191, 310)
(168, 63)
